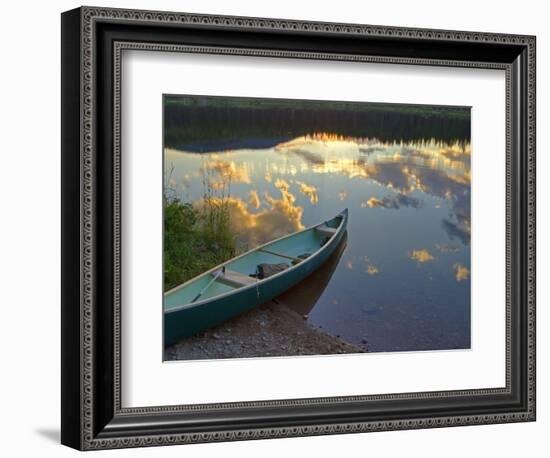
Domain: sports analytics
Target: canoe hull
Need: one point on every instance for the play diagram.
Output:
(190, 321)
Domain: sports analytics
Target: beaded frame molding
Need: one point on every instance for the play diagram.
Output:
(93, 40)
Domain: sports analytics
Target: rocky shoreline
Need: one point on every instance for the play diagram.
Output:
(270, 330)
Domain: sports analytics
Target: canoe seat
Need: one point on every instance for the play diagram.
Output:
(326, 231)
(236, 279)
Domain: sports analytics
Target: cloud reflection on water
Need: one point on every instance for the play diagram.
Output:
(430, 168)
(394, 202)
(227, 170)
(422, 255)
(309, 191)
(461, 272)
(281, 216)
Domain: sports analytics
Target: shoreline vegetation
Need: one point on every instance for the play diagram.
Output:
(196, 238)
(202, 124)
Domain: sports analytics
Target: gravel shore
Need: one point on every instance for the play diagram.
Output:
(270, 330)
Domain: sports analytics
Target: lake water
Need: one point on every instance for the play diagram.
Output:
(401, 281)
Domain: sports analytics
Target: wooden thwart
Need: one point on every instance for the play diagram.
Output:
(326, 231)
(281, 255)
(237, 279)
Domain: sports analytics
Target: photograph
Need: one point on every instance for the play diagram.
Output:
(314, 227)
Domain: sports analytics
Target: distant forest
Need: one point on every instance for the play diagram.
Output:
(203, 123)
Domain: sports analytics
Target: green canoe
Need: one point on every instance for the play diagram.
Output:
(249, 280)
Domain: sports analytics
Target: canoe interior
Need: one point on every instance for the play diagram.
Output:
(308, 241)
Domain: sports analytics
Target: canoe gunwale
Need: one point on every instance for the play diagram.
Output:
(322, 248)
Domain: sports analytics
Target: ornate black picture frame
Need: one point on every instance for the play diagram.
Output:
(92, 42)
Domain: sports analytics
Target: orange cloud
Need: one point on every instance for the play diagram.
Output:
(421, 255)
(372, 270)
(309, 191)
(280, 217)
(228, 170)
(461, 272)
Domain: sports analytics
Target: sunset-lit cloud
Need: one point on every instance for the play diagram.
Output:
(310, 157)
(228, 170)
(461, 272)
(457, 230)
(281, 218)
(254, 200)
(372, 270)
(282, 185)
(447, 248)
(371, 149)
(421, 255)
(435, 173)
(309, 191)
(394, 202)
(433, 167)
(456, 151)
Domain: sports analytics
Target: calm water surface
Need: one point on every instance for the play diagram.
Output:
(401, 280)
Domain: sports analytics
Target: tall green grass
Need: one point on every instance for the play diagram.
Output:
(197, 237)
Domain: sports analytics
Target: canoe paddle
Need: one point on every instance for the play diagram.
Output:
(209, 283)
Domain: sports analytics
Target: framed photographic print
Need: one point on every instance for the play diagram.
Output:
(278, 228)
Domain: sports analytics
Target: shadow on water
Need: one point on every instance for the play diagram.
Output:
(303, 297)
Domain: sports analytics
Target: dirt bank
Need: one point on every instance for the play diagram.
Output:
(270, 330)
